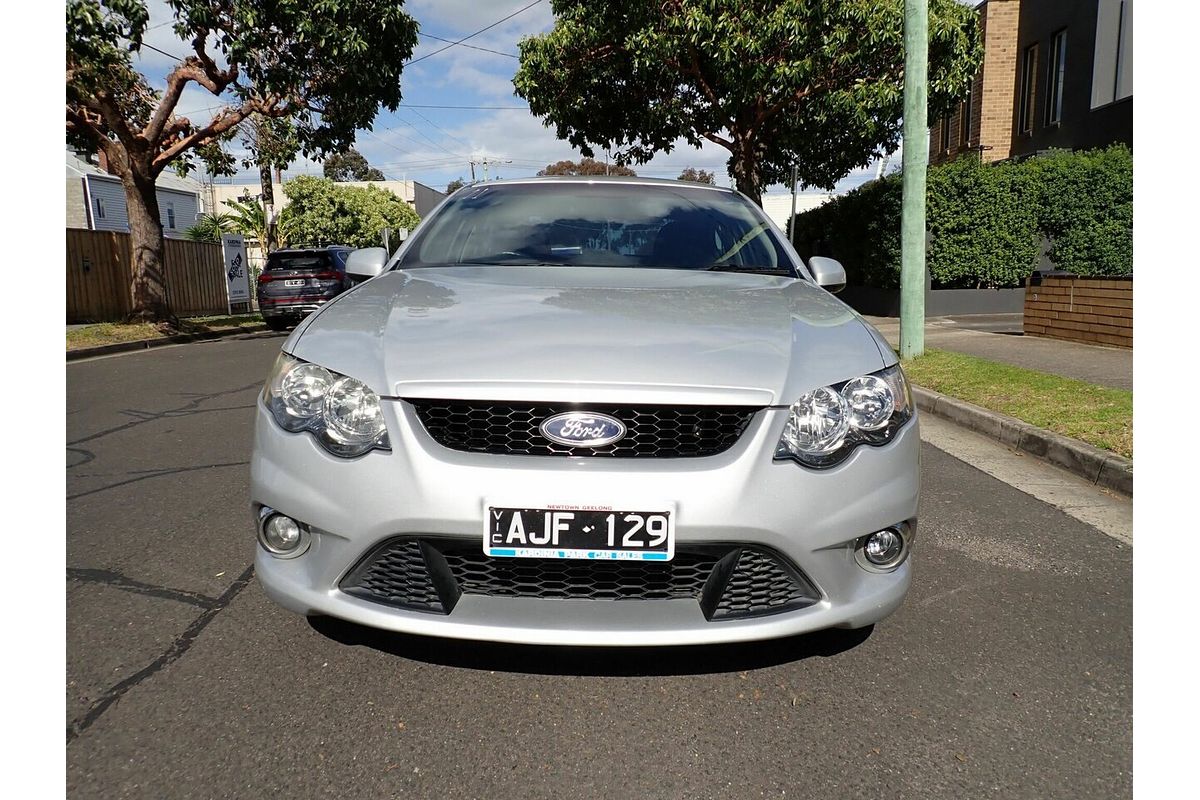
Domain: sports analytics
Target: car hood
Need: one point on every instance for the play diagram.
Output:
(553, 334)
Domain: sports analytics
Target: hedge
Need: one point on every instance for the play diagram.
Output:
(986, 221)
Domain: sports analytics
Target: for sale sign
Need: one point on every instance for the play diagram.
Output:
(233, 249)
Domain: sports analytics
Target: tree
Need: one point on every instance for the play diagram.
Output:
(697, 176)
(322, 212)
(812, 83)
(454, 185)
(350, 165)
(586, 166)
(209, 227)
(272, 144)
(307, 62)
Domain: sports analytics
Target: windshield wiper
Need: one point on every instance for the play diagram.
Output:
(751, 270)
(511, 262)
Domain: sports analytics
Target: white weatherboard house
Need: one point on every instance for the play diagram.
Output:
(96, 200)
(779, 206)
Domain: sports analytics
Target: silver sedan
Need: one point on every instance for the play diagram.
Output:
(591, 412)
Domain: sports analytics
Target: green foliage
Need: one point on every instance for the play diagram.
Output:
(982, 222)
(249, 218)
(985, 221)
(312, 63)
(350, 165)
(209, 227)
(1086, 209)
(816, 83)
(586, 166)
(322, 212)
(454, 185)
(697, 176)
(861, 229)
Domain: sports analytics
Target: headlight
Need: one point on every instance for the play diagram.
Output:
(342, 413)
(825, 425)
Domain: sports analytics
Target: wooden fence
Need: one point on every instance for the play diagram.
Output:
(100, 270)
(1092, 310)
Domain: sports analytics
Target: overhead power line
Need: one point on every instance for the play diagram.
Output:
(473, 35)
(472, 46)
(469, 108)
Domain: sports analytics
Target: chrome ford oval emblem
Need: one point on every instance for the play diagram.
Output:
(582, 429)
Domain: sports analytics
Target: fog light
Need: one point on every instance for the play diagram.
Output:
(885, 548)
(281, 535)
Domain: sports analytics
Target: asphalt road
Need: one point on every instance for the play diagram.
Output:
(1007, 673)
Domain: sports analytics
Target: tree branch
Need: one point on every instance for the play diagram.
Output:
(721, 140)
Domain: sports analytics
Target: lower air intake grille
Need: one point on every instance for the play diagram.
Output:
(729, 581)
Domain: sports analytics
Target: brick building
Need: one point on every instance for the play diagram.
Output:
(1055, 75)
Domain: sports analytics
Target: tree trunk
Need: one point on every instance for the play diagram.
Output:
(148, 289)
(746, 174)
(268, 201)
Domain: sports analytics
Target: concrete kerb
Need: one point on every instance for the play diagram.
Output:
(145, 344)
(1091, 463)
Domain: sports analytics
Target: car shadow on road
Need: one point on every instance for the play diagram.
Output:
(594, 661)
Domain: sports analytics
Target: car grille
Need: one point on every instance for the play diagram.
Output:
(652, 431)
(729, 581)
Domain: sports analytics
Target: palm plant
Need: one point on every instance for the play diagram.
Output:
(209, 227)
(250, 219)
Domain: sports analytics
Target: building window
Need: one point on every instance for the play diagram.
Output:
(945, 144)
(964, 128)
(99, 207)
(171, 216)
(1112, 65)
(1028, 84)
(1056, 67)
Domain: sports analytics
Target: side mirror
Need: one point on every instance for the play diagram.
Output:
(366, 263)
(828, 272)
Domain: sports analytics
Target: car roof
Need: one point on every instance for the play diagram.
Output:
(619, 179)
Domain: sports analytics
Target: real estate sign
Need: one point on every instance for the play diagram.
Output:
(233, 249)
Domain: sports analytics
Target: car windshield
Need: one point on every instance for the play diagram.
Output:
(599, 224)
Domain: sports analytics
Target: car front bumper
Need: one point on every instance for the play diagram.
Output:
(812, 518)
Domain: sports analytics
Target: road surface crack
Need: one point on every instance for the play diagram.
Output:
(180, 646)
(119, 581)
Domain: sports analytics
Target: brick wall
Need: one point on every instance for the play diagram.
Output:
(991, 93)
(1092, 310)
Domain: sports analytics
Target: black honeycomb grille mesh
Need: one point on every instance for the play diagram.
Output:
(760, 584)
(652, 431)
(729, 581)
(682, 577)
(396, 575)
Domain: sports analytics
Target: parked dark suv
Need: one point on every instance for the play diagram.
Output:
(297, 282)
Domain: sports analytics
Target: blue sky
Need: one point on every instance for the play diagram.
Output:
(433, 145)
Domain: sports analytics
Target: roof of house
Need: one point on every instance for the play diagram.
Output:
(168, 180)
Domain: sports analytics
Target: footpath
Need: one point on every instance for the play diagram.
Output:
(998, 338)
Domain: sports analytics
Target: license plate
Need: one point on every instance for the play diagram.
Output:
(597, 532)
(295, 282)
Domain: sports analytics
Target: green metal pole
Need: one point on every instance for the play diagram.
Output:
(916, 158)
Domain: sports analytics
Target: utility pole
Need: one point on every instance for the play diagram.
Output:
(472, 163)
(915, 158)
(791, 231)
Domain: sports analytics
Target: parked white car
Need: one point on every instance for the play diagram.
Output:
(588, 411)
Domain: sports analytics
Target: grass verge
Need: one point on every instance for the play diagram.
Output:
(1094, 414)
(116, 332)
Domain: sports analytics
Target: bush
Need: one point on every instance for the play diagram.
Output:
(982, 221)
(321, 212)
(985, 221)
(1086, 209)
